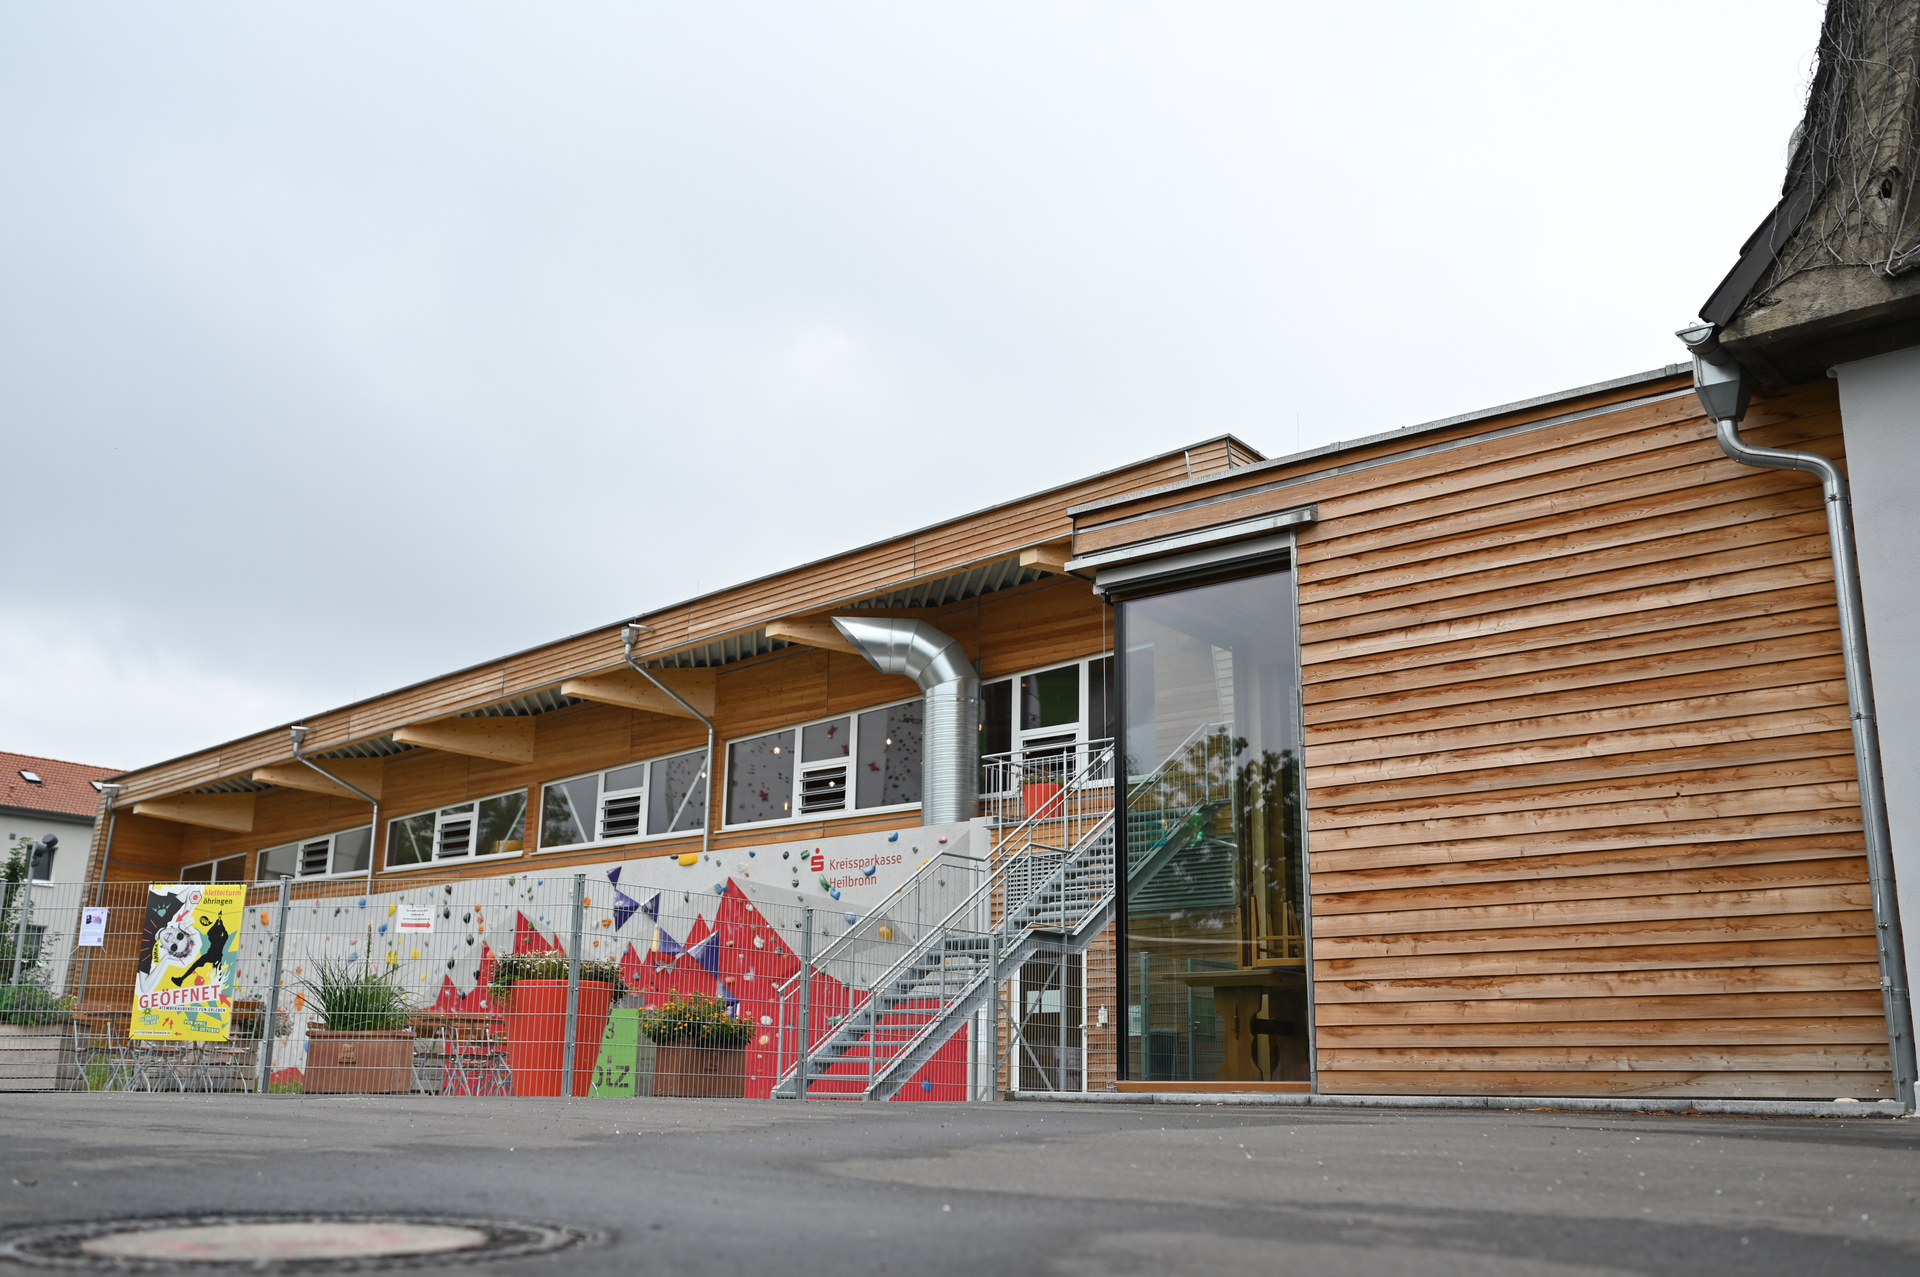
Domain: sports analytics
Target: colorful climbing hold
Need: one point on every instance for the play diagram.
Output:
(691, 858)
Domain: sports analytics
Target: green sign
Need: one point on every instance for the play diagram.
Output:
(613, 1073)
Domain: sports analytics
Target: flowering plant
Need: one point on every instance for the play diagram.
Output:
(694, 1019)
(548, 964)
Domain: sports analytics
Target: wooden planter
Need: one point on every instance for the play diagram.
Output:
(708, 1072)
(365, 1062)
(37, 1057)
(537, 1034)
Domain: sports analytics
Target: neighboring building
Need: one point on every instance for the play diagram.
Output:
(41, 796)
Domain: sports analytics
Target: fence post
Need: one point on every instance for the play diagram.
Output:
(573, 988)
(273, 989)
(993, 1013)
(806, 1004)
(22, 909)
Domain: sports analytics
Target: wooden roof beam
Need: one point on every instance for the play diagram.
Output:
(817, 629)
(811, 631)
(504, 740)
(1051, 557)
(367, 773)
(630, 690)
(231, 812)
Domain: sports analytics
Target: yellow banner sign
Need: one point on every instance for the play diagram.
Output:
(191, 947)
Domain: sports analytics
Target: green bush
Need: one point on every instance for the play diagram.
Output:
(30, 1002)
(358, 997)
(549, 964)
(693, 1019)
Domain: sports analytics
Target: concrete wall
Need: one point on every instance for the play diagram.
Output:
(1880, 412)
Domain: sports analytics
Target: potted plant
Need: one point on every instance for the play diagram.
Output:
(366, 1043)
(699, 1049)
(531, 987)
(36, 1040)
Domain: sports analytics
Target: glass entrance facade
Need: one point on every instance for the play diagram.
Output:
(1214, 946)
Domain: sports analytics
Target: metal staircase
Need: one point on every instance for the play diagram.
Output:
(912, 982)
(911, 973)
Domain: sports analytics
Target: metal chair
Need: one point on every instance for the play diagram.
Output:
(477, 1057)
(93, 1048)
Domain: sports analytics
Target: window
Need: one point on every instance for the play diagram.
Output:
(1045, 714)
(639, 800)
(32, 778)
(226, 869)
(42, 868)
(493, 826)
(861, 761)
(341, 853)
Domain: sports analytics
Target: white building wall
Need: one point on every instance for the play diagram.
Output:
(56, 902)
(1880, 412)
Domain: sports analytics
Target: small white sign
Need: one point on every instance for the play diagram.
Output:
(414, 918)
(93, 928)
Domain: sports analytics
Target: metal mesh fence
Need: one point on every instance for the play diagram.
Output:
(528, 983)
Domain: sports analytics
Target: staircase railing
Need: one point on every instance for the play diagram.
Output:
(939, 971)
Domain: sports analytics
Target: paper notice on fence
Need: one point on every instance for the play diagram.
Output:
(414, 918)
(183, 987)
(93, 928)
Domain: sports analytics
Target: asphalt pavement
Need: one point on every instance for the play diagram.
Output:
(688, 1187)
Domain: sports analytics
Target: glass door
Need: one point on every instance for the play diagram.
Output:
(1215, 892)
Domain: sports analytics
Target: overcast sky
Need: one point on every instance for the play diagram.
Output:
(345, 345)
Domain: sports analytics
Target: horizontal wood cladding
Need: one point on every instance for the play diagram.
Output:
(1023, 628)
(1580, 780)
(1218, 490)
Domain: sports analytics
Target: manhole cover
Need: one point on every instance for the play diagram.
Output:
(295, 1243)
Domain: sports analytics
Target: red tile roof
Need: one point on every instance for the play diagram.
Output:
(63, 786)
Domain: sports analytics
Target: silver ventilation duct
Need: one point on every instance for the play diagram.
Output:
(950, 782)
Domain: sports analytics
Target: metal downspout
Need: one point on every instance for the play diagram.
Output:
(299, 735)
(1723, 389)
(629, 635)
(1866, 739)
(108, 792)
(950, 780)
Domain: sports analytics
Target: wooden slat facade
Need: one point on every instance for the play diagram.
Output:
(1580, 782)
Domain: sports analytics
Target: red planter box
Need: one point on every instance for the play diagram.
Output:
(537, 1034)
(1039, 795)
